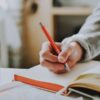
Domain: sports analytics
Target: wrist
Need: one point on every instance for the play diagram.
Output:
(79, 49)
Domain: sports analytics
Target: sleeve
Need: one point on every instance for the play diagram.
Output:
(89, 36)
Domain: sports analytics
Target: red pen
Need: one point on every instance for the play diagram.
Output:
(53, 44)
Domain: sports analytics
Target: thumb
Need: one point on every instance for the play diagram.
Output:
(64, 55)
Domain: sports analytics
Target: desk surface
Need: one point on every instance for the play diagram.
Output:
(27, 92)
(6, 74)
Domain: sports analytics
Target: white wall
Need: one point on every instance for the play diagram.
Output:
(11, 27)
(3, 43)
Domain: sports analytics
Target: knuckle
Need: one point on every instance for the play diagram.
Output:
(43, 53)
(56, 70)
(42, 62)
(60, 70)
(45, 44)
(40, 53)
(63, 53)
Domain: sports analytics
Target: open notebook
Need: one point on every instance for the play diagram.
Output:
(83, 77)
(21, 91)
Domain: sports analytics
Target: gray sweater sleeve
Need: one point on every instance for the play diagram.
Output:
(89, 36)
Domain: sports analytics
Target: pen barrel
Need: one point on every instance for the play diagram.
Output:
(50, 39)
(52, 42)
(56, 49)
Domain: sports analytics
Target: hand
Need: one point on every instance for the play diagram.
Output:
(70, 54)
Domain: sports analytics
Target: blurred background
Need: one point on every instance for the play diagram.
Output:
(20, 34)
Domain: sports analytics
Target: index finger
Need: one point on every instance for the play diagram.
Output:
(46, 46)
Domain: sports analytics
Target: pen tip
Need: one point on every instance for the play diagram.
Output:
(41, 24)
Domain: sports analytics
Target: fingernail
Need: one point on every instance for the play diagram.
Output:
(61, 59)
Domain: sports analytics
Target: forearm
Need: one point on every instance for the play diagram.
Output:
(89, 36)
(90, 45)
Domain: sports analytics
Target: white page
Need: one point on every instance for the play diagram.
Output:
(95, 70)
(43, 74)
(26, 92)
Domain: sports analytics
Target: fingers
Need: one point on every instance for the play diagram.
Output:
(53, 62)
(46, 46)
(70, 54)
(47, 55)
(46, 52)
(64, 55)
(49, 60)
(54, 67)
(71, 63)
